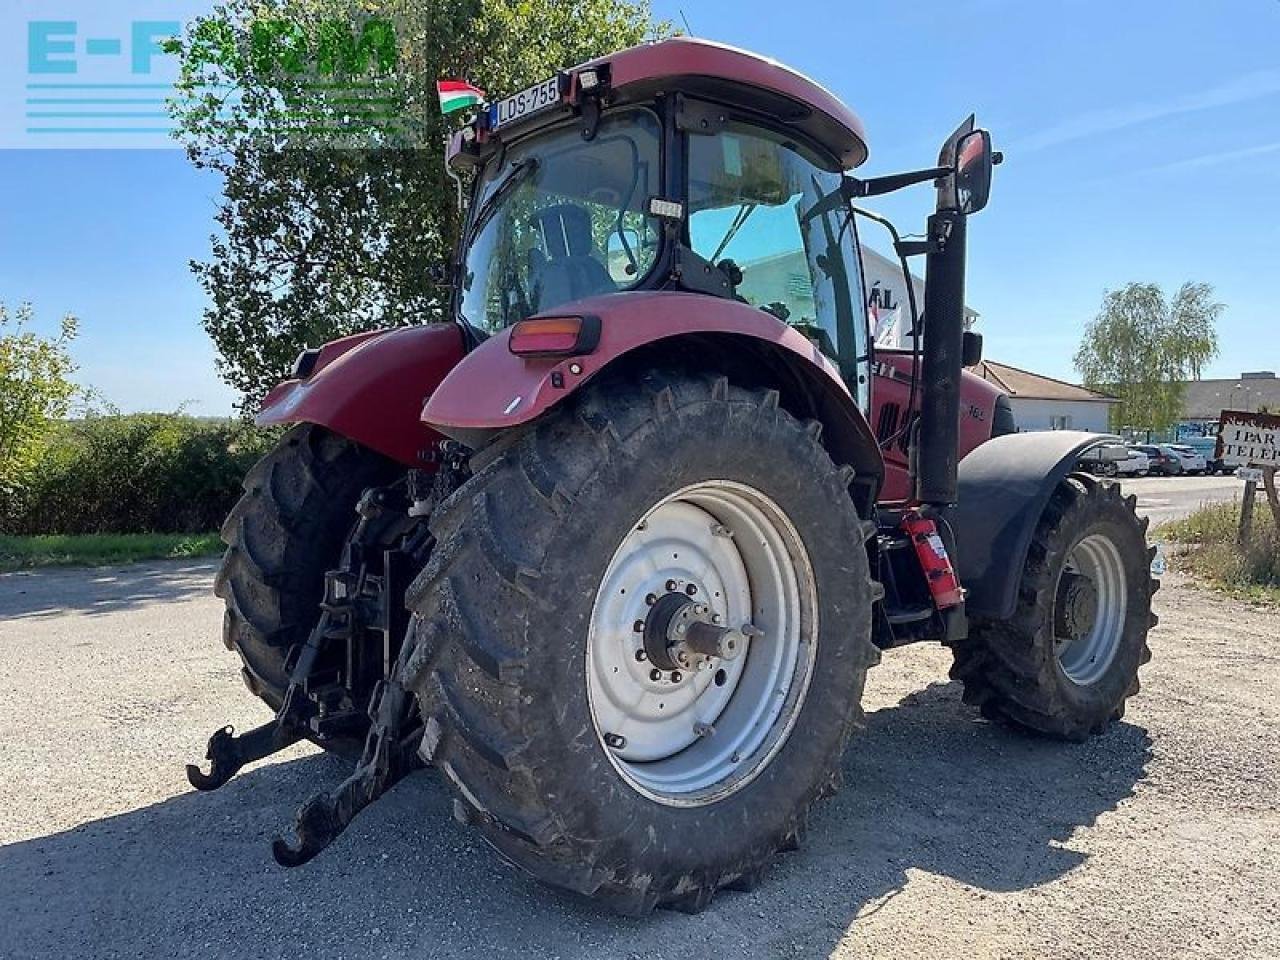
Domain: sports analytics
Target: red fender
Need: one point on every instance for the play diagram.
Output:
(370, 387)
(492, 389)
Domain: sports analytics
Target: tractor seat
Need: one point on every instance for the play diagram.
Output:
(565, 268)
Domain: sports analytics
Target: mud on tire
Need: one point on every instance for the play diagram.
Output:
(1012, 669)
(282, 536)
(502, 612)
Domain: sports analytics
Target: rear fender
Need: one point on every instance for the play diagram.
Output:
(371, 388)
(1004, 486)
(493, 390)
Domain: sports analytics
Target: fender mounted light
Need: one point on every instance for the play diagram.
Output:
(555, 336)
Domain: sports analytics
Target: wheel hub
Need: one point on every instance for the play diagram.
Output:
(685, 634)
(1077, 606)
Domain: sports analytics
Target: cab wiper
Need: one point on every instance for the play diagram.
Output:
(520, 171)
(744, 211)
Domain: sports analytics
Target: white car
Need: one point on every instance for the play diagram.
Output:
(1192, 462)
(1111, 459)
(1137, 464)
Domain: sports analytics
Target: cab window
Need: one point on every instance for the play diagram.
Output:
(559, 218)
(749, 192)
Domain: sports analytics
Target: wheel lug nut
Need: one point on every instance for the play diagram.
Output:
(651, 599)
(691, 589)
(638, 626)
(675, 676)
(641, 656)
(615, 740)
(671, 586)
(655, 675)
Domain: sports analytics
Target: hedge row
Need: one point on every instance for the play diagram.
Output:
(141, 473)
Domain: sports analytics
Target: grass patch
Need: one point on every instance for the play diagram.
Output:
(95, 549)
(1208, 538)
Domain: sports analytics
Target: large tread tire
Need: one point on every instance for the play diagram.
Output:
(284, 534)
(1009, 669)
(501, 615)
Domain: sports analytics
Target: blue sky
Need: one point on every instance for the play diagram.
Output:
(1142, 142)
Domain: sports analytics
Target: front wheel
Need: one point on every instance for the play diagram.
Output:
(1067, 660)
(649, 623)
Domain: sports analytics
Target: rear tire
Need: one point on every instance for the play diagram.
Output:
(505, 670)
(282, 537)
(1069, 657)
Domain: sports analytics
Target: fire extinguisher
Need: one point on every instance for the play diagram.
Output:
(944, 585)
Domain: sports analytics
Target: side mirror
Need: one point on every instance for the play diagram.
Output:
(974, 162)
(971, 349)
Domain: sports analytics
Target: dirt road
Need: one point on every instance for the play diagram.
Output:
(952, 838)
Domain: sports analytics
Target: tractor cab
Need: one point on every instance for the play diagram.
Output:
(618, 185)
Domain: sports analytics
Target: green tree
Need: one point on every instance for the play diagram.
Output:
(1142, 348)
(334, 204)
(35, 390)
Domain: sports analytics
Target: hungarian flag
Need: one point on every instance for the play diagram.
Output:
(457, 95)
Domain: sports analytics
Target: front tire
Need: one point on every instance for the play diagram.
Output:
(537, 613)
(1068, 659)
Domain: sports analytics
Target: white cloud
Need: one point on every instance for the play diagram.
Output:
(1222, 156)
(1250, 86)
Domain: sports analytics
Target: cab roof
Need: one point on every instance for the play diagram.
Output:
(737, 78)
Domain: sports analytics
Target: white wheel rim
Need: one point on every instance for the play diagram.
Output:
(696, 739)
(1085, 658)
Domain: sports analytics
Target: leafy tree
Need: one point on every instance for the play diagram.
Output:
(35, 390)
(334, 204)
(1142, 347)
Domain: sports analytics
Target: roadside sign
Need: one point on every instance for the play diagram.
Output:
(1250, 474)
(1249, 439)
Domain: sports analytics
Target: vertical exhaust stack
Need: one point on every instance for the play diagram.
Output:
(937, 460)
(967, 154)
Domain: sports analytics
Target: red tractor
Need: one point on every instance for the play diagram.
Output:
(614, 549)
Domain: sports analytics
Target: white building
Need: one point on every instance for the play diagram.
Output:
(887, 300)
(1043, 403)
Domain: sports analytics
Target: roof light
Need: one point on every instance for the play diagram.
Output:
(555, 336)
(588, 79)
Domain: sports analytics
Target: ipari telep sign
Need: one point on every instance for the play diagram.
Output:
(1249, 439)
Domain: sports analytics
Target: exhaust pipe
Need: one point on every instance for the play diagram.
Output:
(937, 459)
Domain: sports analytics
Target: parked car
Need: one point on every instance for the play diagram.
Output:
(1137, 464)
(1104, 458)
(1207, 447)
(1193, 461)
(1162, 461)
(1113, 459)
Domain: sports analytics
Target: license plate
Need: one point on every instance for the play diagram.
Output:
(539, 97)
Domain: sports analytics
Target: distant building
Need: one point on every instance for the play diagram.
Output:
(887, 300)
(1204, 400)
(1043, 403)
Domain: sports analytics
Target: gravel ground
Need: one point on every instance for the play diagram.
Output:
(952, 838)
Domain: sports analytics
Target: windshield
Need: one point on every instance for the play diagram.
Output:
(560, 218)
(755, 210)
